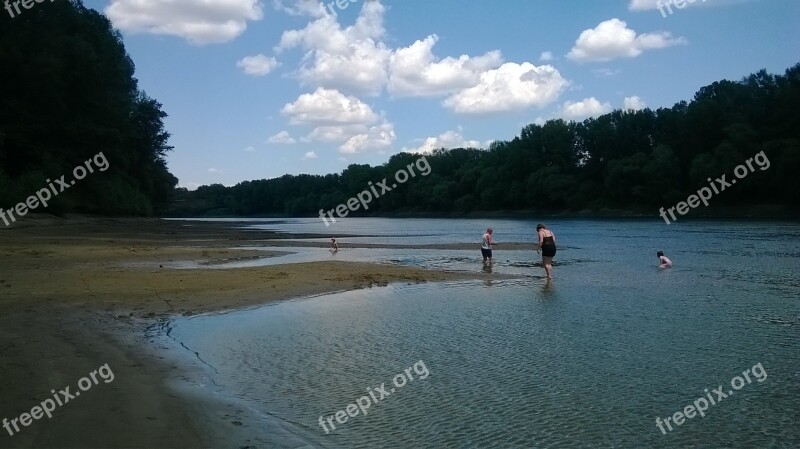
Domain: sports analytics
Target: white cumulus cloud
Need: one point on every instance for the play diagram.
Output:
(310, 155)
(415, 71)
(447, 140)
(353, 59)
(379, 137)
(334, 134)
(642, 5)
(613, 39)
(328, 107)
(312, 8)
(633, 103)
(337, 118)
(198, 21)
(510, 87)
(257, 65)
(588, 107)
(282, 138)
(357, 60)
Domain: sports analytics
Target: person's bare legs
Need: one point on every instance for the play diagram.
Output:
(547, 262)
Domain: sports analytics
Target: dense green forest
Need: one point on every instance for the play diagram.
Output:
(624, 161)
(69, 92)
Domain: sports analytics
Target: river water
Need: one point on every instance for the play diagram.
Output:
(588, 360)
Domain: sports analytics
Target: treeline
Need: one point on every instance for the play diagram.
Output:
(69, 92)
(624, 160)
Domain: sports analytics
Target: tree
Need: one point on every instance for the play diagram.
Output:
(70, 94)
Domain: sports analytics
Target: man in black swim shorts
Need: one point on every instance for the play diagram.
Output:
(486, 247)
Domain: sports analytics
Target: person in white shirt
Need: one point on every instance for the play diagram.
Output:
(663, 260)
(486, 247)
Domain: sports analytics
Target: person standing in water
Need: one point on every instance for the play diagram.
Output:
(334, 245)
(547, 244)
(663, 261)
(486, 246)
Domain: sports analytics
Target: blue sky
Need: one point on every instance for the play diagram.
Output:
(257, 89)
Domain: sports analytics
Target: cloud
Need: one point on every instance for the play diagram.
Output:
(415, 72)
(282, 138)
(310, 155)
(214, 170)
(353, 59)
(199, 22)
(192, 186)
(333, 134)
(448, 140)
(588, 107)
(258, 65)
(546, 56)
(642, 5)
(648, 5)
(337, 118)
(633, 103)
(342, 62)
(379, 137)
(356, 60)
(312, 8)
(510, 87)
(613, 39)
(250, 150)
(355, 138)
(327, 107)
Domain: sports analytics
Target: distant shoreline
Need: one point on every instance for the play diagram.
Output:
(757, 212)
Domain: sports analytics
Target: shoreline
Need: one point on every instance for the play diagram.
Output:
(751, 212)
(77, 294)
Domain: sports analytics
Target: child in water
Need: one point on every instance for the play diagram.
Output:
(663, 260)
(334, 245)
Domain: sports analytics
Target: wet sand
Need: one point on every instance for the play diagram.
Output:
(78, 293)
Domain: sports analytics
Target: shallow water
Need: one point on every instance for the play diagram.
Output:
(589, 360)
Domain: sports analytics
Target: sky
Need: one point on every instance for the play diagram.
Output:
(256, 89)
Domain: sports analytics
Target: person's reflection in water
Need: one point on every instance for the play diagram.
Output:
(548, 291)
(488, 270)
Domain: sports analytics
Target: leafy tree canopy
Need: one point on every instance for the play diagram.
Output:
(69, 93)
(630, 160)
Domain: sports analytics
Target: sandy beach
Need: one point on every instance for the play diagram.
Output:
(82, 292)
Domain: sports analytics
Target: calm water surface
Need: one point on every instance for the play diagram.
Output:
(589, 360)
